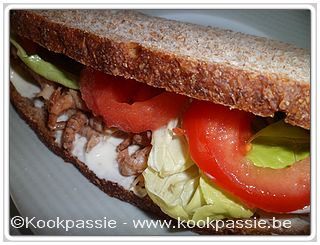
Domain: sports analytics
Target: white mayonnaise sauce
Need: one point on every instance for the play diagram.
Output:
(38, 103)
(23, 85)
(63, 118)
(102, 158)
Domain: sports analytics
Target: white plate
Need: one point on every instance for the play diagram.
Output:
(42, 185)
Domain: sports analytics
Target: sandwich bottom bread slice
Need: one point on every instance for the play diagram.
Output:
(164, 168)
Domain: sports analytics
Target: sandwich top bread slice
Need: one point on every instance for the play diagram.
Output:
(203, 63)
(234, 69)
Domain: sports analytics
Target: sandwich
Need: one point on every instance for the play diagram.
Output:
(188, 122)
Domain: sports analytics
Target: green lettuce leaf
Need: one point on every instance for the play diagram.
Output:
(174, 183)
(173, 192)
(46, 69)
(220, 205)
(169, 153)
(279, 145)
(178, 187)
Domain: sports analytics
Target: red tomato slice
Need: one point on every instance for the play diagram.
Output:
(217, 140)
(127, 104)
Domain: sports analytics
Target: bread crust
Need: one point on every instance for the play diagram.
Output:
(37, 118)
(262, 94)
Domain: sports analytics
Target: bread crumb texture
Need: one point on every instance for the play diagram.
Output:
(242, 71)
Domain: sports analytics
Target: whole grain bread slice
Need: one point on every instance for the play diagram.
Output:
(37, 118)
(250, 73)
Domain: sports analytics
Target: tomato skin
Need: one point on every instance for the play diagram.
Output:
(217, 140)
(127, 104)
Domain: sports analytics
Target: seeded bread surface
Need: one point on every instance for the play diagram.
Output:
(250, 73)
